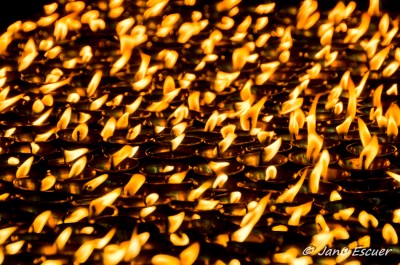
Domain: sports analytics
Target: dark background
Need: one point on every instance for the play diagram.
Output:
(13, 10)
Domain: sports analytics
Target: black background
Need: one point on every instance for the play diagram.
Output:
(13, 10)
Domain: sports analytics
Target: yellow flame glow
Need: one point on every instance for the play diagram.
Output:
(369, 152)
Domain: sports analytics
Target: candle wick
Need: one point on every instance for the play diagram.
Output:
(170, 150)
(312, 156)
(30, 148)
(78, 135)
(363, 158)
(112, 166)
(260, 157)
(217, 147)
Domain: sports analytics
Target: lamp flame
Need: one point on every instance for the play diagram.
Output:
(134, 184)
(320, 169)
(369, 152)
(24, 168)
(80, 132)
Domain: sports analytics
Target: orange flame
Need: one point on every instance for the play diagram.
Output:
(196, 193)
(390, 69)
(177, 141)
(72, 155)
(344, 214)
(194, 101)
(239, 58)
(344, 127)
(175, 221)
(49, 88)
(109, 128)
(94, 183)
(211, 122)
(392, 129)
(50, 8)
(396, 216)
(369, 152)
(98, 205)
(296, 121)
(307, 15)
(206, 205)
(371, 46)
(290, 194)
(335, 196)
(94, 83)
(124, 25)
(133, 246)
(15, 247)
(77, 167)
(354, 34)
(80, 132)
(28, 56)
(155, 8)
(98, 103)
(320, 168)
(270, 173)
(177, 177)
(84, 251)
(264, 137)
(123, 122)
(267, 70)
(252, 218)
(189, 29)
(321, 240)
(48, 182)
(76, 215)
(5, 233)
(86, 54)
(134, 184)
(314, 145)
(179, 240)
(235, 197)
(187, 257)
(62, 238)
(373, 9)
(9, 102)
(270, 151)
(24, 168)
(389, 235)
(37, 106)
(365, 136)
(367, 219)
(297, 212)
(134, 132)
(39, 222)
(179, 128)
(73, 98)
(376, 62)
(225, 143)
(291, 105)
(113, 254)
(220, 180)
(43, 117)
